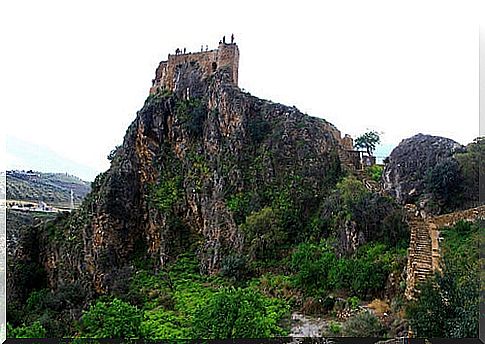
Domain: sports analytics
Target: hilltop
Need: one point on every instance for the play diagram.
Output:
(52, 188)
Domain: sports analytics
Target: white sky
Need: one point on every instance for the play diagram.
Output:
(73, 74)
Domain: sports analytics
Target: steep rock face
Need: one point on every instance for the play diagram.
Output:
(404, 174)
(193, 164)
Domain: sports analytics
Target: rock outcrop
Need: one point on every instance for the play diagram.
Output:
(404, 175)
(199, 157)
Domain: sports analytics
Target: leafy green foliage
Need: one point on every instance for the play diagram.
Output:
(447, 305)
(263, 232)
(375, 172)
(239, 204)
(115, 319)
(470, 162)
(234, 266)
(368, 141)
(167, 192)
(363, 324)
(444, 181)
(238, 313)
(277, 286)
(318, 270)
(378, 218)
(36, 330)
(334, 329)
(192, 114)
(312, 264)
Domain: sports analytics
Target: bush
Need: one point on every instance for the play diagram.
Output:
(312, 264)
(167, 192)
(238, 313)
(317, 269)
(115, 319)
(36, 330)
(334, 329)
(375, 172)
(234, 266)
(192, 114)
(470, 162)
(263, 232)
(376, 218)
(363, 325)
(445, 182)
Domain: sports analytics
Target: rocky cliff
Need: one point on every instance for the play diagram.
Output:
(194, 163)
(411, 162)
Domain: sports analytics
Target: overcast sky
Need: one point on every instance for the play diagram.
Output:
(73, 74)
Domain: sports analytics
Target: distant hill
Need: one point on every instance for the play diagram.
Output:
(52, 188)
(22, 155)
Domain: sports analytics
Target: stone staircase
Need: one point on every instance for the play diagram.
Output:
(424, 252)
(420, 251)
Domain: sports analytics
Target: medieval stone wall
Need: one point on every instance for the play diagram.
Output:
(225, 56)
(424, 251)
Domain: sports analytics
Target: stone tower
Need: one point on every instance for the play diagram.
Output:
(226, 56)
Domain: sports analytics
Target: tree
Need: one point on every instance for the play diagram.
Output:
(368, 141)
(263, 232)
(116, 319)
(238, 313)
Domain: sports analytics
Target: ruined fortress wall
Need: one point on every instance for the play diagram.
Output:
(226, 56)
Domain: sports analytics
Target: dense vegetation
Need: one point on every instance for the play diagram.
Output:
(447, 305)
(254, 292)
(453, 183)
(310, 238)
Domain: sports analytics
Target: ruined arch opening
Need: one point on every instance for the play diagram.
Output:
(214, 66)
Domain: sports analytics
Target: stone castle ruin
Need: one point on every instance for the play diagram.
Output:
(226, 56)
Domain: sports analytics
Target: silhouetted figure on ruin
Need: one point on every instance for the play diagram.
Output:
(202, 48)
(224, 39)
(177, 51)
(206, 47)
(220, 42)
(185, 49)
(232, 38)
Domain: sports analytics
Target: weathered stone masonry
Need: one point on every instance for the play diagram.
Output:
(226, 56)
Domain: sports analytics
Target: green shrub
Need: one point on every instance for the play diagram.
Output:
(115, 319)
(234, 266)
(334, 328)
(167, 192)
(263, 232)
(353, 302)
(363, 324)
(238, 313)
(376, 218)
(445, 182)
(192, 114)
(470, 162)
(312, 264)
(317, 269)
(35, 330)
(375, 172)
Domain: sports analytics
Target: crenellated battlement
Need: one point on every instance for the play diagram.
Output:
(209, 61)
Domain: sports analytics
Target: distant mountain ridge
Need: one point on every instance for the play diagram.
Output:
(23, 155)
(52, 188)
